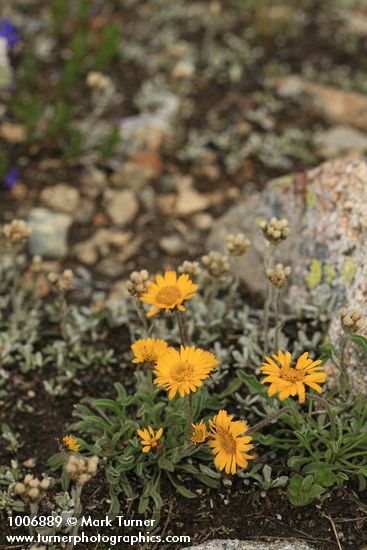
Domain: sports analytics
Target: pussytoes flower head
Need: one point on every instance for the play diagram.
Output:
(17, 231)
(169, 292)
(217, 264)
(351, 321)
(290, 381)
(199, 433)
(275, 231)
(184, 371)
(148, 350)
(192, 269)
(228, 443)
(237, 245)
(138, 283)
(63, 281)
(32, 489)
(149, 439)
(81, 470)
(279, 275)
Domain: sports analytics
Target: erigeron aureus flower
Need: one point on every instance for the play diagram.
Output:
(149, 439)
(184, 371)
(199, 433)
(290, 381)
(169, 292)
(71, 443)
(228, 443)
(148, 350)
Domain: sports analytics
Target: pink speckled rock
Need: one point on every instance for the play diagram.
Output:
(327, 247)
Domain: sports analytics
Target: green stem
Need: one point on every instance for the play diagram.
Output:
(329, 413)
(181, 328)
(141, 314)
(278, 295)
(268, 420)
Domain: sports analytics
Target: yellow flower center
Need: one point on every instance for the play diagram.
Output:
(181, 372)
(168, 295)
(227, 442)
(291, 375)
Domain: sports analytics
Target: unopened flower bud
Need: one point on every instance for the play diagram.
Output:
(237, 244)
(275, 231)
(192, 269)
(217, 264)
(17, 231)
(138, 283)
(279, 275)
(351, 321)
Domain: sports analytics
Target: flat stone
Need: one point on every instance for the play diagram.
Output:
(189, 200)
(172, 244)
(342, 139)
(121, 206)
(104, 242)
(326, 209)
(133, 175)
(49, 232)
(61, 197)
(149, 130)
(252, 545)
(338, 106)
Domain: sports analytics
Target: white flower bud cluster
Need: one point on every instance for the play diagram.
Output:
(217, 264)
(138, 283)
(61, 281)
(275, 230)
(351, 321)
(279, 275)
(32, 489)
(17, 231)
(81, 470)
(192, 269)
(98, 81)
(237, 245)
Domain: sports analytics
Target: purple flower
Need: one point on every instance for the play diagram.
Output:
(9, 32)
(11, 177)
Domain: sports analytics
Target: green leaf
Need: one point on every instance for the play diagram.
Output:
(114, 508)
(252, 383)
(166, 464)
(181, 488)
(303, 491)
(361, 341)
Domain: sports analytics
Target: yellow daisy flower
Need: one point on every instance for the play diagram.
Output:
(228, 444)
(169, 292)
(199, 433)
(71, 443)
(184, 371)
(148, 350)
(287, 380)
(149, 439)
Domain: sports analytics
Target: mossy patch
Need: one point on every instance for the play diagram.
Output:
(348, 271)
(310, 197)
(314, 276)
(329, 273)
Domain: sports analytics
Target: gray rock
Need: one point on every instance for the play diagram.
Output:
(61, 197)
(121, 206)
(49, 232)
(132, 174)
(172, 244)
(326, 208)
(340, 140)
(251, 545)
(149, 129)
